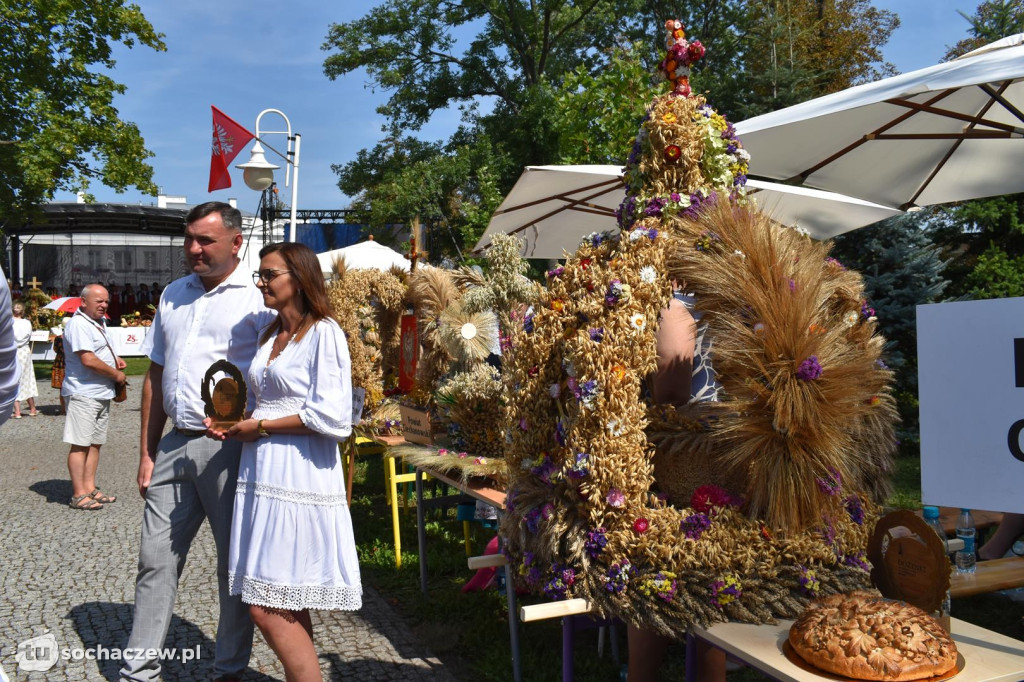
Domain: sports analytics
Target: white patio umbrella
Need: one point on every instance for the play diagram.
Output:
(945, 133)
(553, 207)
(363, 256)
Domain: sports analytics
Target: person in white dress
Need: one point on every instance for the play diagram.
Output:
(292, 547)
(27, 384)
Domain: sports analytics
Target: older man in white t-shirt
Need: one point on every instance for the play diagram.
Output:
(216, 313)
(91, 371)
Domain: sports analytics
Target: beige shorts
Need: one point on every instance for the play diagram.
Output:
(86, 421)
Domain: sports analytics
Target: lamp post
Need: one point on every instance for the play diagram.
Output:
(258, 173)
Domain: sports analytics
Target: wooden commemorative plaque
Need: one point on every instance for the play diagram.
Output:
(909, 561)
(224, 401)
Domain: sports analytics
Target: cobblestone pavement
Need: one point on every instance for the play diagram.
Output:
(71, 574)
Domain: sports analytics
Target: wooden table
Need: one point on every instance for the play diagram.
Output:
(478, 489)
(988, 656)
(391, 481)
(990, 576)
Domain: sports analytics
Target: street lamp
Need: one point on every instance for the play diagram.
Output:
(258, 173)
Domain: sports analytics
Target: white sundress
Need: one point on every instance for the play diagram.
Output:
(291, 535)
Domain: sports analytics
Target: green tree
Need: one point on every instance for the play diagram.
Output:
(902, 269)
(800, 49)
(991, 21)
(59, 128)
(511, 70)
(599, 113)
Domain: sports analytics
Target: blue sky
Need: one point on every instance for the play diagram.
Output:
(246, 56)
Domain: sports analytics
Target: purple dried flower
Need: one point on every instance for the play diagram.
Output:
(810, 369)
(832, 484)
(596, 334)
(596, 542)
(581, 466)
(809, 582)
(866, 310)
(560, 432)
(855, 509)
(532, 520)
(617, 577)
(834, 263)
(694, 525)
(857, 560)
(725, 591)
(654, 207)
(555, 272)
(676, 197)
(558, 587)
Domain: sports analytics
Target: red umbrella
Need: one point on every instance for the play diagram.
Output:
(64, 304)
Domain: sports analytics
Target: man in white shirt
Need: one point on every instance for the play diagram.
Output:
(216, 313)
(91, 371)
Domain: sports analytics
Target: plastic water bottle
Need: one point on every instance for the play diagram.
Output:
(965, 558)
(931, 517)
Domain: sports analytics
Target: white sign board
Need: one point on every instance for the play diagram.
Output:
(970, 357)
(127, 341)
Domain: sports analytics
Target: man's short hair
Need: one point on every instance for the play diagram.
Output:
(89, 287)
(229, 215)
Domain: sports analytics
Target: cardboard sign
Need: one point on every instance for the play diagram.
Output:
(416, 425)
(358, 398)
(409, 354)
(970, 358)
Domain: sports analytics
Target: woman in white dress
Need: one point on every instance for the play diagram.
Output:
(292, 547)
(27, 384)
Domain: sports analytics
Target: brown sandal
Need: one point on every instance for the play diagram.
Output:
(85, 503)
(102, 497)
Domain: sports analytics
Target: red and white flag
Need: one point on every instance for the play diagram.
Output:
(228, 140)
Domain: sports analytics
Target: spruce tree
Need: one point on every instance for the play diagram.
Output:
(902, 269)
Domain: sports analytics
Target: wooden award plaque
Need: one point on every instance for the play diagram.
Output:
(224, 403)
(909, 561)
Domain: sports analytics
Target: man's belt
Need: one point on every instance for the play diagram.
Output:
(190, 433)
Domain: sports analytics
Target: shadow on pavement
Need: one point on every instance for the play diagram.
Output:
(369, 668)
(55, 490)
(181, 635)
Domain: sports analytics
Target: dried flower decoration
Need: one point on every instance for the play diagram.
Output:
(596, 541)
(710, 499)
(617, 577)
(580, 467)
(662, 585)
(694, 525)
(809, 582)
(726, 590)
(638, 322)
(810, 369)
(615, 498)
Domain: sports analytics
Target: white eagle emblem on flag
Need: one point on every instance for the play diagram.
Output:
(223, 143)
